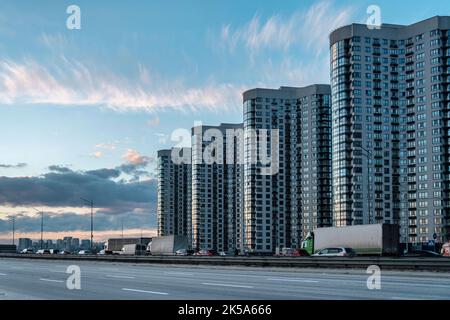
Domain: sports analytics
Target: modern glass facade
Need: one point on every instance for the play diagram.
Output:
(217, 187)
(390, 127)
(282, 207)
(174, 195)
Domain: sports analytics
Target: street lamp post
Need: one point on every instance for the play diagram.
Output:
(42, 226)
(368, 155)
(91, 204)
(13, 218)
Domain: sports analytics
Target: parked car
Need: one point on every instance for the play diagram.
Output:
(54, 251)
(289, 252)
(65, 252)
(335, 252)
(27, 251)
(84, 252)
(43, 251)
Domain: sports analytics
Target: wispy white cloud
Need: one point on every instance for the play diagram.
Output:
(294, 72)
(105, 146)
(70, 82)
(309, 28)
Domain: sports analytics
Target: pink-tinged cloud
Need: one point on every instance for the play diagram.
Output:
(70, 82)
(134, 157)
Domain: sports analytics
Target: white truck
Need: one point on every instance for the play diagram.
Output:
(134, 249)
(167, 245)
(371, 239)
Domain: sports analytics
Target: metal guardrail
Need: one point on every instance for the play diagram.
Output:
(386, 263)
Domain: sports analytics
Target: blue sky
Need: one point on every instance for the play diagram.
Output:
(111, 93)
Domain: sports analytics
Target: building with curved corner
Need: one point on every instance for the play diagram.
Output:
(390, 127)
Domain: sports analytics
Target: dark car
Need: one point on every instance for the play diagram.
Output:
(289, 252)
(206, 253)
(422, 253)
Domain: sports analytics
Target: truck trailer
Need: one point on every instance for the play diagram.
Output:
(167, 245)
(134, 249)
(371, 239)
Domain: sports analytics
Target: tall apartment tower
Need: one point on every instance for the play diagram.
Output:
(282, 206)
(217, 187)
(174, 193)
(390, 127)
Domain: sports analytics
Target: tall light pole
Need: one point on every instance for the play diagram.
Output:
(122, 232)
(13, 219)
(42, 226)
(91, 204)
(368, 155)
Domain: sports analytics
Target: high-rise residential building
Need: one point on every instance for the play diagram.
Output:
(390, 127)
(217, 187)
(174, 192)
(293, 198)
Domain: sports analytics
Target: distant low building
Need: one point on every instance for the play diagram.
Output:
(25, 243)
(8, 248)
(118, 243)
(85, 244)
(49, 244)
(60, 244)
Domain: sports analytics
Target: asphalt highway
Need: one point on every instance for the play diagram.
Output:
(37, 279)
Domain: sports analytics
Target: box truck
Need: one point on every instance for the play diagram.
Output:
(134, 249)
(371, 239)
(167, 245)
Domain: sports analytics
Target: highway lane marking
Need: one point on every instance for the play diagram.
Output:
(226, 285)
(179, 273)
(145, 291)
(2, 274)
(105, 269)
(51, 280)
(405, 298)
(120, 276)
(293, 280)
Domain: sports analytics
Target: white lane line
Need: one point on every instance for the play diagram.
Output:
(405, 298)
(119, 276)
(226, 285)
(2, 274)
(180, 273)
(145, 291)
(51, 280)
(293, 280)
